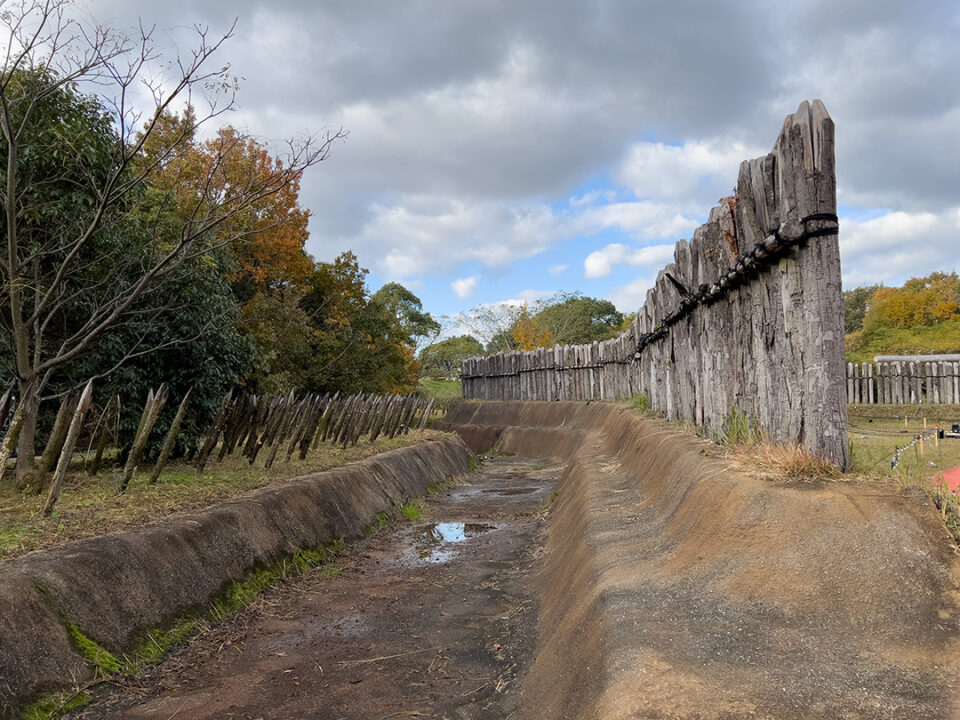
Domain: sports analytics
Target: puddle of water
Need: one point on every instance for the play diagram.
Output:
(435, 539)
(511, 491)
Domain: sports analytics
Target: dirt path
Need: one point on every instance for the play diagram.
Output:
(433, 618)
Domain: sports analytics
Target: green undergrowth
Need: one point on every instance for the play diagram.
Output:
(381, 520)
(411, 510)
(739, 428)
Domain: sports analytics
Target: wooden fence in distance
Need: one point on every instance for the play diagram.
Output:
(903, 383)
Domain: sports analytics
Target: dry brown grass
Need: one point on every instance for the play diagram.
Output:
(784, 462)
(90, 506)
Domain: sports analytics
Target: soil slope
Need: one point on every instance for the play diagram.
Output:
(675, 587)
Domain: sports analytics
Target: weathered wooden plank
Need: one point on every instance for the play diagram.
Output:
(171, 439)
(151, 412)
(73, 434)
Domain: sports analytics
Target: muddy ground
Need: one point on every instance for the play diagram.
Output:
(432, 618)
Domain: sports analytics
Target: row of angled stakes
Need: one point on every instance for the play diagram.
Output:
(253, 423)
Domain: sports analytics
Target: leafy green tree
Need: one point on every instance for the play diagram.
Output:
(855, 304)
(363, 343)
(198, 346)
(442, 359)
(412, 322)
(575, 320)
(76, 167)
(566, 318)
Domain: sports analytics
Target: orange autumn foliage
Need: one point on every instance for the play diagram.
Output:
(528, 333)
(267, 237)
(921, 301)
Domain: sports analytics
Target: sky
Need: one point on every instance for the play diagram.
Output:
(505, 150)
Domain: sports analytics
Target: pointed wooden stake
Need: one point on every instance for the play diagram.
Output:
(171, 440)
(73, 433)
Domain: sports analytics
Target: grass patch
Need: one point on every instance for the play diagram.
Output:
(90, 506)
(374, 527)
(640, 402)
(877, 431)
(539, 466)
(739, 428)
(505, 454)
(447, 483)
(441, 389)
(411, 510)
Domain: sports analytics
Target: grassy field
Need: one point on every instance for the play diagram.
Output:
(876, 431)
(441, 389)
(90, 506)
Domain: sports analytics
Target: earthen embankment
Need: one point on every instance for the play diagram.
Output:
(675, 586)
(116, 587)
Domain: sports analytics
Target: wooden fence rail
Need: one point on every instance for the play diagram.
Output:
(903, 383)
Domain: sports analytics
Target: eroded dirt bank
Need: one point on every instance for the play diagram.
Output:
(116, 587)
(432, 618)
(677, 588)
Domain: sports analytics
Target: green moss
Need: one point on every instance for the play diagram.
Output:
(506, 454)
(231, 599)
(94, 653)
(472, 464)
(411, 510)
(538, 466)
(157, 643)
(54, 705)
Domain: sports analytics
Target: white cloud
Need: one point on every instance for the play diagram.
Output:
(558, 269)
(646, 219)
(899, 245)
(630, 297)
(432, 233)
(601, 262)
(465, 287)
(698, 172)
(592, 197)
(422, 234)
(524, 297)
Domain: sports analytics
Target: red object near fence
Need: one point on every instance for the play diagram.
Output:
(951, 478)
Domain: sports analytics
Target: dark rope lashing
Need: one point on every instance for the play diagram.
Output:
(748, 265)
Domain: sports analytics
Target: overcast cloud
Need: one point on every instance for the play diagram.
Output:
(490, 139)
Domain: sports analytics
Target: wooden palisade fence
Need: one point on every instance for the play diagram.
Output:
(748, 317)
(903, 383)
(266, 426)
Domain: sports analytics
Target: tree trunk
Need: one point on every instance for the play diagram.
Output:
(26, 443)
